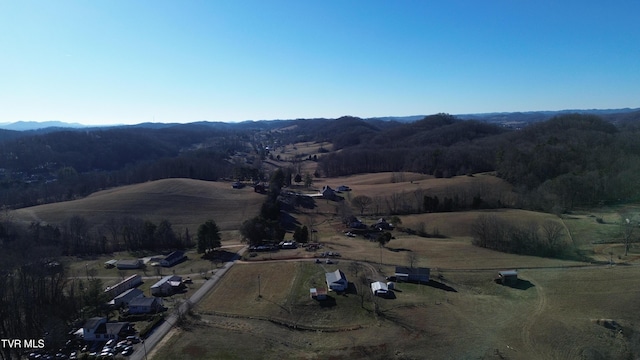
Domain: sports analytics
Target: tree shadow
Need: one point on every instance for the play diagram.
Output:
(397, 249)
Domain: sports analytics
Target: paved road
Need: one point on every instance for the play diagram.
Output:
(163, 329)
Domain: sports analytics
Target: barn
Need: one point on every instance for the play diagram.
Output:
(408, 274)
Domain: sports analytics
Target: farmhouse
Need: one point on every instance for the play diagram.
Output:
(174, 258)
(336, 281)
(167, 286)
(98, 329)
(382, 224)
(328, 193)
(124, 298)
(508, 277)
(379, 288)
(145, 305)
(124, 285)
(408, 274)
(127, 264)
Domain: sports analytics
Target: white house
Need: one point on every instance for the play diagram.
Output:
(336, 281)
(167, 286)
(98, 329)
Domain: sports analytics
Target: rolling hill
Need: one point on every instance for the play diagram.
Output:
(184, 202)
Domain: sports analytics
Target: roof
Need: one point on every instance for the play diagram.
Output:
(508, 273)
(336, 276)
(116, 327)
(131, 262)
(132, 292)
(176, 255)
(166, 279)
(93, 322)
(111, 262)
(379, 285)
(412, 271)
(143, 301)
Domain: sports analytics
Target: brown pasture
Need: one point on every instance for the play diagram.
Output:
(186, 203)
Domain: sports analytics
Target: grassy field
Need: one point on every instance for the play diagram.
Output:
(558, 310)
(186, 203)
(552, 314)
(261, 309)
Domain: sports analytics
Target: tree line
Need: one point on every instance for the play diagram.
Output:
(546, 239)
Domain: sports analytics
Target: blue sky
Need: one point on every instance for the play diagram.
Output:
(116, 61)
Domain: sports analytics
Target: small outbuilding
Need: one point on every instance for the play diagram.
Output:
(508, 277)
(318, 293)
(379, 288)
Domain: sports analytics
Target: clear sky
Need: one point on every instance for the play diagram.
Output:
(132, 61)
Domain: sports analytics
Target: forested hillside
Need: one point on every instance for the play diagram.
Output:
(567, 161)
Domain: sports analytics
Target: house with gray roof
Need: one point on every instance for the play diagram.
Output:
(145, 305)
(336, 281)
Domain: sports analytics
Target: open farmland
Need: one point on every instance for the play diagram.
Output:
(184, 202)
(556, 313)
(560, 309)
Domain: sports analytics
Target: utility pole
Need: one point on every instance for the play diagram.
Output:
(259, 294)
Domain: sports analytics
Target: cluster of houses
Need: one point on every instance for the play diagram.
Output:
(170, 260)
(337, 281)
(125, 294)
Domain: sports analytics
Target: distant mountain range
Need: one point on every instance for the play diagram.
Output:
(36, 125)
(507, 118)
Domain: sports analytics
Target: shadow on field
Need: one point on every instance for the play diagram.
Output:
(441, 286)
(397, 249)
(220, 255)
(518, 284)
(351, 289)
(327, 302)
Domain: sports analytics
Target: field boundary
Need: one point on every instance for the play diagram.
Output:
(285, 323)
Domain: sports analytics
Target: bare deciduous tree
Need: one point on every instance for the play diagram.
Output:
(412, 258)
(362, 202)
